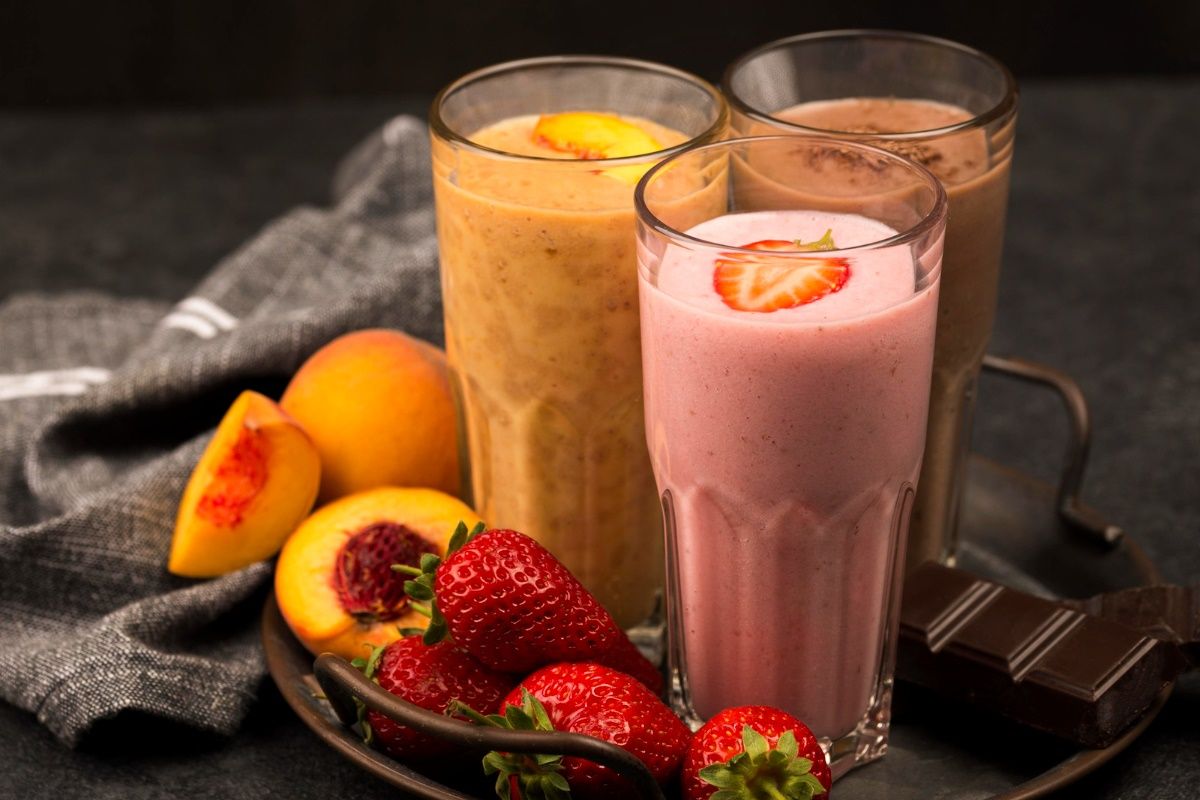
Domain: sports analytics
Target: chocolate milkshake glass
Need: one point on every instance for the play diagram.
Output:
(952, 109)
(539, 279)
(787, 341)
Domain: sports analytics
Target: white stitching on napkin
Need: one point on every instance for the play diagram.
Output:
(211, 311)
(51, 382)
(200, 316)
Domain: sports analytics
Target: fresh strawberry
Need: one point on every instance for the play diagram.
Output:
(430, 677)
(596, 701)
(755, 751)
(512, 605)
(766, 283)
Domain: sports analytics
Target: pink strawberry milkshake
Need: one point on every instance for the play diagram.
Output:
(787, 446)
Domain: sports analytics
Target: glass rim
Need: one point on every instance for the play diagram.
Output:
(443, 130)
(1005, 107)
(935, 216)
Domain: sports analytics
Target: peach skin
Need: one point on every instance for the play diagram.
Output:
(378, 406)
(334, 582)
(256, 480)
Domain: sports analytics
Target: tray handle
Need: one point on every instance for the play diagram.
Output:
(1071, 509)
(342, 683)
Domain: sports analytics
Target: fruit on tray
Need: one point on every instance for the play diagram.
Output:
(254, 483)
(430, 677)
(755, 751)
(594, 700)
(748, 282)
(377, 404)
(334, 582)
(589, 135)
(511, 604)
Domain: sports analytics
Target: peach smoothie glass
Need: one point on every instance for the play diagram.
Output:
(953, 109)
(539, 279)
(787, 343)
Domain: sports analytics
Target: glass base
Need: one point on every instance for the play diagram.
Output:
(867, 742)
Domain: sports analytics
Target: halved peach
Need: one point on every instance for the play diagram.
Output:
(590, 135)
(334, 582)
(256, 480)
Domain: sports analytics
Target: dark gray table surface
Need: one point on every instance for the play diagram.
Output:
(1101, 279)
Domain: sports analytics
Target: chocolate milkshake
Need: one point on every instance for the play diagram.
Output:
(953, 110)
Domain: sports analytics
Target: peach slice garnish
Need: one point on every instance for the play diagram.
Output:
(589, 135)
(334, 582)
(255, 482)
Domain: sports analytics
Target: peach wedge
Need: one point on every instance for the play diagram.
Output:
(255, 482)
(334, 582)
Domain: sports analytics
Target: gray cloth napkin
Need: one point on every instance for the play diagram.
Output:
(105, 406)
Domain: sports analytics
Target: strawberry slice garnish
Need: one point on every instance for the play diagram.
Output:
(766, 283)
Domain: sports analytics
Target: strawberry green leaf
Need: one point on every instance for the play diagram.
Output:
(458, 538)
(517, 719)
(754, 742)
(718, 775)
(371, 664)
(824, 243)
(418, 591)
(493, 762)
(786, 744)
(535, 709)
(368, 666)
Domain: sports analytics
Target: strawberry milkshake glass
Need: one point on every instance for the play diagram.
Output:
(787, 342)
(954, 110)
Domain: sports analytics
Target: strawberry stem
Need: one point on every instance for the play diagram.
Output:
(421, 609)
(459, 708)
(769, 788)
(407, 570)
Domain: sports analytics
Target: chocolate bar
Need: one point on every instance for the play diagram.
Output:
(1057, 669)
(1170, 613)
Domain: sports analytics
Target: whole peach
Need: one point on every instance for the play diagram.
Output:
(378, 406)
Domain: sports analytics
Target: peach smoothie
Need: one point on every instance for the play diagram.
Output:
(540, 295)
(975, 172)
(787, 440)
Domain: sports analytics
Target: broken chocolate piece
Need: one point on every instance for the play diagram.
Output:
(1032, 660)
(1170, 613)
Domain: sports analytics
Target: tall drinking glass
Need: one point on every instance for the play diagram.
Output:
(952, 109)
(787, 340)
(539, 277)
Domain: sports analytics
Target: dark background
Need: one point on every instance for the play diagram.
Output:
(219, 52)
